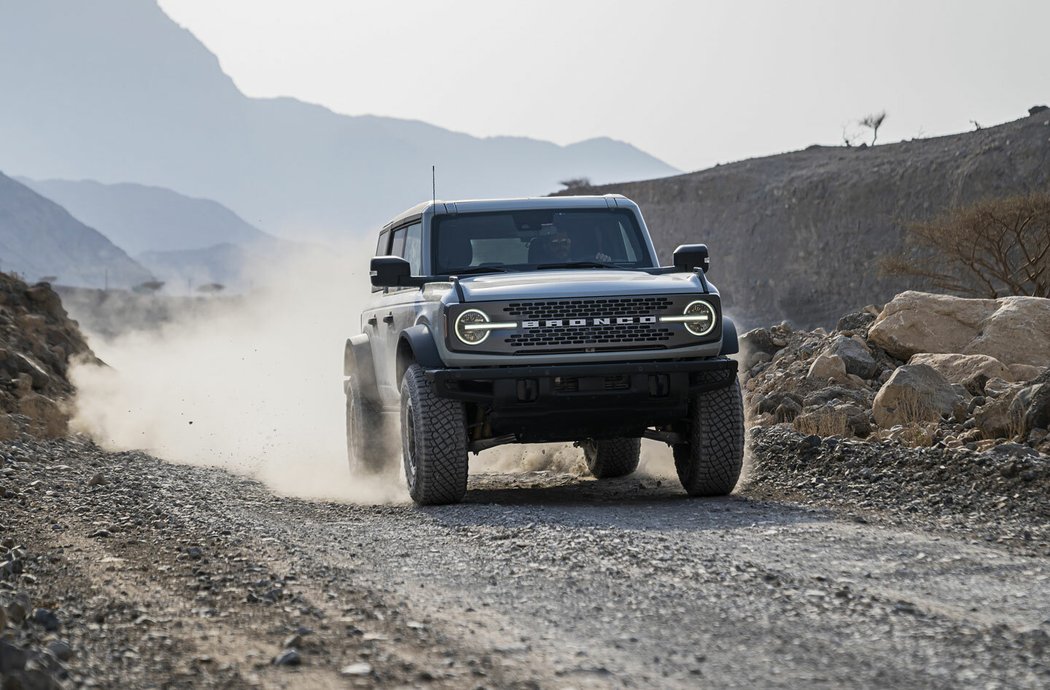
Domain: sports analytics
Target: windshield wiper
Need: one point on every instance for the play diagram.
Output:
(475, 269)
(577, 264)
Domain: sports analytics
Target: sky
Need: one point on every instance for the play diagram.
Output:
(693, 82)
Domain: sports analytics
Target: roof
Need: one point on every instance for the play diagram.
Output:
(519, 204)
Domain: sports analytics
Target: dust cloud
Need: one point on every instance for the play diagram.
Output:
(253, 385)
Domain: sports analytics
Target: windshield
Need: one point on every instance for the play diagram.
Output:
(527, 240)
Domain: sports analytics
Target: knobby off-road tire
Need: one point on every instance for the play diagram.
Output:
(612, 457)
(710, 464)
(367, 442)
(433, 442)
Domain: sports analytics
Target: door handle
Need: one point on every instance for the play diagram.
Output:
(372, 321)
(389, 318)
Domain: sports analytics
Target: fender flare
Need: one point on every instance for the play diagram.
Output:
(358, 362)
(416, 344)
(730, 343)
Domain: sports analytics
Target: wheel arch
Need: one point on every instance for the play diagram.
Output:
(730, 342)
(416, 345)
(358, 361)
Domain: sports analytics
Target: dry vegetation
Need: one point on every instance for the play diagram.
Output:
(995, 248)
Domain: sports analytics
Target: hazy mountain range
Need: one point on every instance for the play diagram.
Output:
(183, 241)
(115, 91)
(39, 238)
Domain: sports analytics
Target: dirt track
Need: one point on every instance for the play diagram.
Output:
(167, 575)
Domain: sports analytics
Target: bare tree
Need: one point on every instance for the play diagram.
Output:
(873, 122)
(994, 248)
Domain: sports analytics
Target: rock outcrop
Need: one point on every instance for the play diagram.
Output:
(38, 341)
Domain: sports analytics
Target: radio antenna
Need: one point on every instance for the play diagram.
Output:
(433, 184)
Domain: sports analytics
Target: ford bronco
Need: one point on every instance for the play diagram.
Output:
(540, 320)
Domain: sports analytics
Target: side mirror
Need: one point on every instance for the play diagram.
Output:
(689, 257)
(389, 271)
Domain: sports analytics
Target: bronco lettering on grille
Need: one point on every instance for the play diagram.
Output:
(594, 321)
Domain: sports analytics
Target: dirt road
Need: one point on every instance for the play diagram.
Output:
(164, 575)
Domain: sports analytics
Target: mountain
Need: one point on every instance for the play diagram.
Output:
(39, 238)
(113, 90)
(149, 219)
(231, 265)
(798, 236)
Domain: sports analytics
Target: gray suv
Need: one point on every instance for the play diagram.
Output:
(540, 320)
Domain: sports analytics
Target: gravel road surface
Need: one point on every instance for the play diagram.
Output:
(160, 575)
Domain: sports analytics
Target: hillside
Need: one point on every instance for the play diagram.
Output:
(40, 238)
(797, 236)
(143, 219)
(114, 90)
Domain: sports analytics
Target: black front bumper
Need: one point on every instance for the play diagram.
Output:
(567, 402)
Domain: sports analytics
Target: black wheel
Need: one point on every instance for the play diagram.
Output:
(710, 464)
(612, 457)
(367, 441)
(433, 442)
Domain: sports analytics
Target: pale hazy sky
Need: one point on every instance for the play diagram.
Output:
(692, 82)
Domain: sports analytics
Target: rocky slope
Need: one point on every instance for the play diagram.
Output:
(39, 238)
(38, 341)
(797, 236)
(936, 403)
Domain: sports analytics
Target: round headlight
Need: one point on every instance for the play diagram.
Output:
(471, 336)
(702, 318)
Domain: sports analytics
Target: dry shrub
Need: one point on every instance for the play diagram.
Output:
(918, 435)
(994, 248)
(913, 409)
(823, 423)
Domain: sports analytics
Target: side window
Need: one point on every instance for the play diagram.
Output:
(414, 248)
(381, 245)
(397, 245)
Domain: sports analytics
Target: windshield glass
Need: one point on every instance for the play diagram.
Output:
(526, 240)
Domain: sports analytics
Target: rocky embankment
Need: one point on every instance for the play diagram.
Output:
(933, 406)
(38, 342)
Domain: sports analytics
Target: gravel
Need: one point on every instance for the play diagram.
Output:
(537, 580)
(999, 495)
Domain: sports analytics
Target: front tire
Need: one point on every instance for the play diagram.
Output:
(710, 463)
(433, 441)
(612, 457)
(367, 444)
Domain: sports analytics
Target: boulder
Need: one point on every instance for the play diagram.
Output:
(999, 417)
(1037, 408)
(46, 418)
(971, 371)
(857, 321)
(855, 354)
(916, 322)
(915, 393)
(755, 343)
(1024, 372)
(1017, 333)
(1014, 330)
(827, 367)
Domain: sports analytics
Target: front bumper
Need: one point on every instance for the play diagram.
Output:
(569, 402)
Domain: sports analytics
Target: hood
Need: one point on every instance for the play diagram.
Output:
(551, 284)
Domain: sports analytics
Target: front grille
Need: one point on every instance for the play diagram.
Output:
(634, 334)
(607, 323)
(580, 308)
